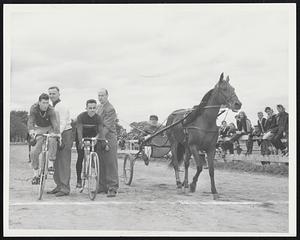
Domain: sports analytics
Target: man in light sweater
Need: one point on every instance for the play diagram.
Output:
(62, 165)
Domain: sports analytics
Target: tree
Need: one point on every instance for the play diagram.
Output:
(18, 125)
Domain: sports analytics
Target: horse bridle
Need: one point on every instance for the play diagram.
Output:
(227, 99)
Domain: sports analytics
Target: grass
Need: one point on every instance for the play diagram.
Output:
(274, 169)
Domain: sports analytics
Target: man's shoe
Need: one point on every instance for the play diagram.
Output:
(53, 191)
(101, 191)
(60, 194)
(35, 180)
(111, 193)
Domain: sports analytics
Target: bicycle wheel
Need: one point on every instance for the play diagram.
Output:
(43, 175)
(93, 175)
(128, 169)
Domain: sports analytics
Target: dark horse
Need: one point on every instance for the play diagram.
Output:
(199, 132)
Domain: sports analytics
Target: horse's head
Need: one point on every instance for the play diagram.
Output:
(225, 94)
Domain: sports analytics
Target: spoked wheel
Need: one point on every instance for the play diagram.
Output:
(43, 175)
(128, 169)
(93, 175)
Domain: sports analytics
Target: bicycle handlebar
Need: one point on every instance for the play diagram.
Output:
(47, 135)
(92, 139)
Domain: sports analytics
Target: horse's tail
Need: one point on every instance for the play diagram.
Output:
(180, 153)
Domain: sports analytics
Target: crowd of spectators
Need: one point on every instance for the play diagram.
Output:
(268, 133)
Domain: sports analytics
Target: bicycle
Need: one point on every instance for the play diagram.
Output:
(45, 161)
(90, 169)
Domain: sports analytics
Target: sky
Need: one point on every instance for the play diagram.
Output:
(153, 59)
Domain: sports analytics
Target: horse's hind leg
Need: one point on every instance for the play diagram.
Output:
(210, 160)
(198, 161)
(176, 166)
(187, 158)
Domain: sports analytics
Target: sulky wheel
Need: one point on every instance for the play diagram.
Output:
(128, 168)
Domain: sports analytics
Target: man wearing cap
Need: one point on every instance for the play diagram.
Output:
(149, 129)
(109, 179)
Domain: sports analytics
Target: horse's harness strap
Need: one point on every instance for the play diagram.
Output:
(201, 129)
(212, 106)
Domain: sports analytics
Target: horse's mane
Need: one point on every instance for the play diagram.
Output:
(198, 109)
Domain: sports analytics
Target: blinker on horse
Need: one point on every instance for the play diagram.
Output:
(199, 132)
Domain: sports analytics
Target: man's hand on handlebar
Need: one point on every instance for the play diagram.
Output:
(104, 145)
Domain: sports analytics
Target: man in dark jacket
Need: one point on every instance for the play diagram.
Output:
(109, 178)
(280, 129)
(270, 126)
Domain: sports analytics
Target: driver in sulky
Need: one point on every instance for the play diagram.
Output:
(149, 129)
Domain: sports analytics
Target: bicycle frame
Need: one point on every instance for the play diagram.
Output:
(89, 155)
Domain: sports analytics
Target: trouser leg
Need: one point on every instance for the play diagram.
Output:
(236, 137)
(249, 144)
(52, 148)
(64, 162)
(230, 147)
(109, 165)
(102, 172)
(277, 143)
(35, 153)
(111, 168)
(80, 155)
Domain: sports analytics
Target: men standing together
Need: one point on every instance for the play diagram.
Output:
(99, 119)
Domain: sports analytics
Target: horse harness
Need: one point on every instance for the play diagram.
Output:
(185, 129)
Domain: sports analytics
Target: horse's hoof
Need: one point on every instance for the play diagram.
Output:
(192, 187)
(215, 196)
(186, 189)
(179, 190)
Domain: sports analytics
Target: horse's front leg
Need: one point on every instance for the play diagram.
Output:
(187, 158)
(199, 162)
(210, 159)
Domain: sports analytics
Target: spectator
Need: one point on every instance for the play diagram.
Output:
(257, 133)
(224, 143)
(282, 127)
(224, 129)
(268, 135)
(244, 127)
(231, 132)
(261, 122)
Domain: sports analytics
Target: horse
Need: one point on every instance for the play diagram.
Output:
(199, 132)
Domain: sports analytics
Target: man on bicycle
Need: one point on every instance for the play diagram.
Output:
(88, 124)
(42, 119)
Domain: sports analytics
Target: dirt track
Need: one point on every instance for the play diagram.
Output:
(247, 203)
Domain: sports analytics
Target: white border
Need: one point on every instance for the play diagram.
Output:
(9, 9)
